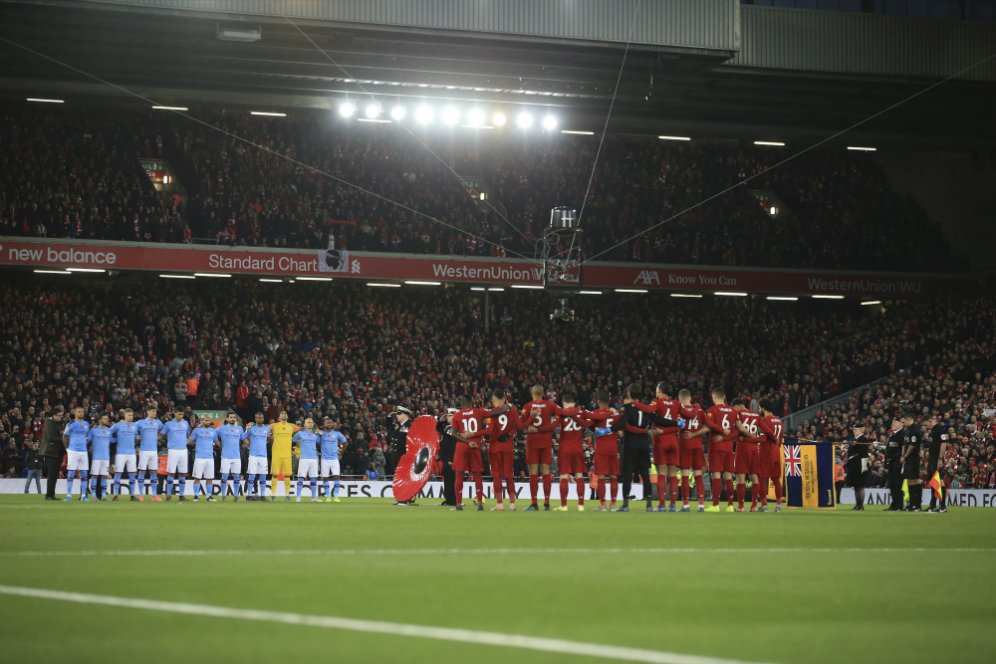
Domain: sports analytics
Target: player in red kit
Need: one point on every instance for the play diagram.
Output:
(690, 449)
(747, 458)
(570, 454)
(468, 429)
(666, 452)
(720, 419)
(500, 433)
(606, 450)
(770, 467)
(539, 417)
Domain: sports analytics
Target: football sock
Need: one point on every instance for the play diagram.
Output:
(580, 486)
(479, 486)
(673, 488)
(69, 485)
(335, 488)
(131, 483)
(729, 491)
(661, 487)
(614, 488)
(510, 488)
(717, 487)
(700, 488)
(685, 490)
(169, 485)
(458, 488)
(547, 485)
(563, 492)
(154, 481)
(314, 487)
(287, 485)
(778, 489)
(325, 488)
(496, 486)
(534, 487)
(117, 484)
(741, 491)
(183, 485)
(762, 489)
(300, 486)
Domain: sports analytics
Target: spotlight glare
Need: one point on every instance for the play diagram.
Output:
(450, 116)
(424, 114)
(475, 117)
(372, 110)
(549, 122)
(498, 119)
(398, 113)
(524, 120)
(346, 109)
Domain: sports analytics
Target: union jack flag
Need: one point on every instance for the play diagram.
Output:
(793, 461)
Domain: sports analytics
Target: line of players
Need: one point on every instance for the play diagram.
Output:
(742, 443)
(136, 453)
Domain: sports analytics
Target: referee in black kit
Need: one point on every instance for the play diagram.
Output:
(636, 444)
(912, 439)
(893, 459)
(857, 466)
(937, 444)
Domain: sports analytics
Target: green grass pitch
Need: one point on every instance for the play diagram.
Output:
(817, 586)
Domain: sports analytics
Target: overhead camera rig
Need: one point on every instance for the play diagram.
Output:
(561, 251)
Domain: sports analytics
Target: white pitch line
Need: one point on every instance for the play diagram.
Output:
(485, 552)
(520, 641)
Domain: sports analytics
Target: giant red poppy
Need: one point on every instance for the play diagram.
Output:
(415, 467)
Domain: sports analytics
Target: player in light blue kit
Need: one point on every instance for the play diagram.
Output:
(307, 466)
(204, 436)
(74, 437)
(99, 438)
(331, 439)
(258, 434)
(177, 432)
(124, 433)
(230, 434)
(149, 434)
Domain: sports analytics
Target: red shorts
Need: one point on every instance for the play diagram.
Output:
(571, 462)
(467, 458)
(538, 456)
(606, 465)
(720, 461)
(747, 461)
(770, 469)
(691, 457)
(501, 462)
(666, 452)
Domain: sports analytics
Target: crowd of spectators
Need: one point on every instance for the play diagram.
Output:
(354, 353)
(284, 185)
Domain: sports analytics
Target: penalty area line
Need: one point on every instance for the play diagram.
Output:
(474, 637)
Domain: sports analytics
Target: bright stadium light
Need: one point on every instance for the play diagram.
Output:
(479, 289)
(697, 295)
(52, 272)
(475, 117)
(577, 132)
(314, 278)
(675, 138)
(526, 286)
(828, 297)
(631, 290)
(85, 269)
(271, 281)
(177, 276)
(524, 120)
(549, 122)
(780, 298)
(213, 275)
(498, 119)
(170, 108)
(861, 148)
(373, 284)
(450, 116)
(45, 100)
(413, 282)
(424, 114)
(398, 113)
(590, 292)
(373, 110)
(346, 109)
(730, 294)
(268, 114)
(868, 303)
(497, 289)
(774, 144)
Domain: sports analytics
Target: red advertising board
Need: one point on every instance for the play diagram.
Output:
(180, 258)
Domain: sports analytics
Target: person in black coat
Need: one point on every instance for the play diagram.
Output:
(447, 446)
(53, 449)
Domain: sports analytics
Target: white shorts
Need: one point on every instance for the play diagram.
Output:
(176, 461)
(307, 468)
(124, 463)
(330, 468)
(77, 461)
(100, 466)
(257, 465)
(233, 466)
(203, 469)
(148, 460)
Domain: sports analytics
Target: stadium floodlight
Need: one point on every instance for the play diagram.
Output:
(524, 120)
(497, 289)
(213, 275)
(526, 286)
(374, 120)
(398, 113)
(423, 283)
(450, 116)
(675, 138)
(577, 132)
(828, 297)
(375, 284)
(177, 276)
(170, 108)
(479, 289)
(271, 281)
(498, 119)
(861, 148)
(776, 144)
(475, 117)
(373, 110)
(52, 272)
(782, 298)
(730, 294)
(46, 100)
(424, 114)
(85, 269)
(549, 122)
(631, 290)
(347, 109)
(868, 303)
(268, 114)
(314, 278)
(590, 292)
(686, 295)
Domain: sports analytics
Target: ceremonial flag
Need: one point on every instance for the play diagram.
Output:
(809, 480)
